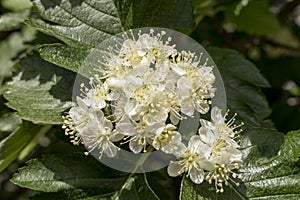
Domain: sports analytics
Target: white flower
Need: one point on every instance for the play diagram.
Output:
(195, 86)
(145, 88)
(78, 119)
(169, 141)
(141, 134)
(223, 154)
(97, 96)
(100, 135)
(190, 161)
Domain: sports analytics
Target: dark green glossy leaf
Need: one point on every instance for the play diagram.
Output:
(174, 14)
(242, 81)
(135, 187)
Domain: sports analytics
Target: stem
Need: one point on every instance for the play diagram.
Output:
(235, 190)
(34, 141)
(140, 162)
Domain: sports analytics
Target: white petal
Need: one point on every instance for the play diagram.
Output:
(206, 135)
(116, 136)
(187, 108)
(177, 149)
(81, 103)
(135, 147)
(201, 108)
(175, 169)
(196, 175)
(195, 144)
(173, 118)
(207, 165)
(110, 149)
(156, 144)
(178, 70)
(126, 128)
(216, 115)
(207, 124)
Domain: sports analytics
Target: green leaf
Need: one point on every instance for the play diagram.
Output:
(11, 146)
(11, 47)
(174, 14)
(12, 21)
(163, 185)
(254, 18)
(62, 55)
(61, 172)
(77, 23)
(72, 57)
(274, 178)
(260, 145)
(242, 82)
(202, 8)
(135, 187)
(81, 176)
(78, 194)
(40, 91)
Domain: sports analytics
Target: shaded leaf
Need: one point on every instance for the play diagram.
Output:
(242, 81)
(11, 146)
(174, 14)
(163, 185)
(202, 8)
(55, 172)
(135, 187)
(38, 92)
(82, 177)
(275, 178)
(78, 194)
(11, 47)
(254, 18)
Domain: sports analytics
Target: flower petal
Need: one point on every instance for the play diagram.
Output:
(175, 169)
(196, 175)
(195, 144)
(216, 115)
(135, 147)
(207, 135)
(177, 149)
(110, 149)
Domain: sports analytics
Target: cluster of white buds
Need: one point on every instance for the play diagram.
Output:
(139, 97)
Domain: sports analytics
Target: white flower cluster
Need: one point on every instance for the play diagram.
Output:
(145, 89)
(211, 155)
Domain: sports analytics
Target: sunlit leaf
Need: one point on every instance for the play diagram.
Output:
(40, 91)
